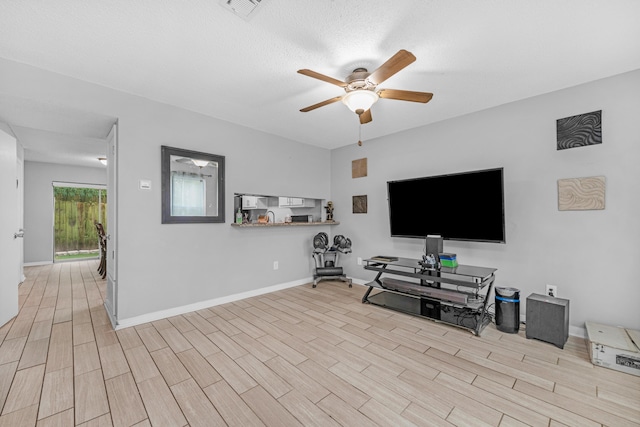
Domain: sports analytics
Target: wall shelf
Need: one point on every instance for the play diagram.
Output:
(285, 224)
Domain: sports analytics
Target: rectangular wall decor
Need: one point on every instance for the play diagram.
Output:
(360, 204)
(359, 168)
(579, 131)
(581, 194)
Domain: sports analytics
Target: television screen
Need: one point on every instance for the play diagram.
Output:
(462, 206)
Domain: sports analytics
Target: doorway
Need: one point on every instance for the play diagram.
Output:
(77, 209)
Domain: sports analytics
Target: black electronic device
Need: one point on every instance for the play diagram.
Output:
(547, 319)
(461, 206)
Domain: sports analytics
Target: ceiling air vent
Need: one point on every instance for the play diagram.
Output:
(243, 8)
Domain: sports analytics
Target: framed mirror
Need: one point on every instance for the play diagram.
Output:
(192, 186)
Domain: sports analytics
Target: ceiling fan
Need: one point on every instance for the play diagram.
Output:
(361, 87)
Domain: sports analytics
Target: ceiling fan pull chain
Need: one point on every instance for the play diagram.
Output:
(360, 136)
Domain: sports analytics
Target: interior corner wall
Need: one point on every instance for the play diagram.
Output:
(38, 203)
(590, 255)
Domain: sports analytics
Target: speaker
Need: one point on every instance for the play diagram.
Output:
(548, 319)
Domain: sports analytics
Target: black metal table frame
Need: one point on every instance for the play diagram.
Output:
(413, 268)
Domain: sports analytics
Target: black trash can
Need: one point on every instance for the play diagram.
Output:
(508, 310)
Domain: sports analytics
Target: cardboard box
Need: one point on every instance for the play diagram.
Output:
(614, 347)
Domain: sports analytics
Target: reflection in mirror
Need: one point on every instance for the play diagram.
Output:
(192, 186)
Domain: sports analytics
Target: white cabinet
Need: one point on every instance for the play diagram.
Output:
(254, 202)
(295, 202)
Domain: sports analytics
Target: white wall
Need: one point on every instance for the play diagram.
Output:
(165, 266)
(590, 255)
(38, 203)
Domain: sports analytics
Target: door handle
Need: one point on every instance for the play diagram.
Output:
(20, 233)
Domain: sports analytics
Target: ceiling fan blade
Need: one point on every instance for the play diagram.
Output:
(394, 64)
(405, 95)
(322, 77)
(321, 104)
(365, 117)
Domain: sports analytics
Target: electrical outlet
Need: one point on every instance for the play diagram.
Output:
(552, 291)
(359, 261)
(275, 265)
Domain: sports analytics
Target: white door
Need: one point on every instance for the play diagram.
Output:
(9, 255)
(111, 303)
(20, 188)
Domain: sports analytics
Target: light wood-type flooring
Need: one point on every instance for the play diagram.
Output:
(300, 356)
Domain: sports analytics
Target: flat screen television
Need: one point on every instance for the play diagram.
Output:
(462, 206)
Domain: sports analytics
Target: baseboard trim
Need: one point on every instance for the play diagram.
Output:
(37, 263)
(176, 311)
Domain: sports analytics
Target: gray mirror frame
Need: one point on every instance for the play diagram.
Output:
(167, 218)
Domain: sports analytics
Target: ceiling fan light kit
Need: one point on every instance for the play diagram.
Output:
(361, 87)
(360, 100)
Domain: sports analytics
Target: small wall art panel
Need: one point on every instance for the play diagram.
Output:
(581, 194)
(359, 168)
(579, 131)
(360, 204)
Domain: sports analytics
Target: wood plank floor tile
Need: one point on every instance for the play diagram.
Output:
(370, 387)
(201, 324)
(182, 324)
(125, 402)
(201, 343)
(170, 366)
(342, 412)
(34, 353)
(446, 394)
(227, 345)
(20, 418)
(7, 372)
(101, 421)
(237, 378)
(129, 338)
(90, 396)
(421, 416)
(231, 407)
(253, 346)
(217, 323)
(300, 381)
(282, 350)
(57, 393)
(113, 361)
(305, 411)
(85, 358)
(464, 419)
(199, 368)
(152, 339)
(160, 404)
(195, 405)
(25, 389)
(175, 339)
(268, 409)
(61, 419)
(572, 405)
(141, 363)
(263, 375)
(11, 349)
(435, 405)
(334, 384)
(493, 401)
(60, 347)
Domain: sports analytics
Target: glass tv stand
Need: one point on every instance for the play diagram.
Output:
(457, 296)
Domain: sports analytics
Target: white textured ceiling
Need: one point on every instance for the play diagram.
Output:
(195, 54)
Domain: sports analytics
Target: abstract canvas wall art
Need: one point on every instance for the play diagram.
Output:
(579, 131)
(581, 194)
